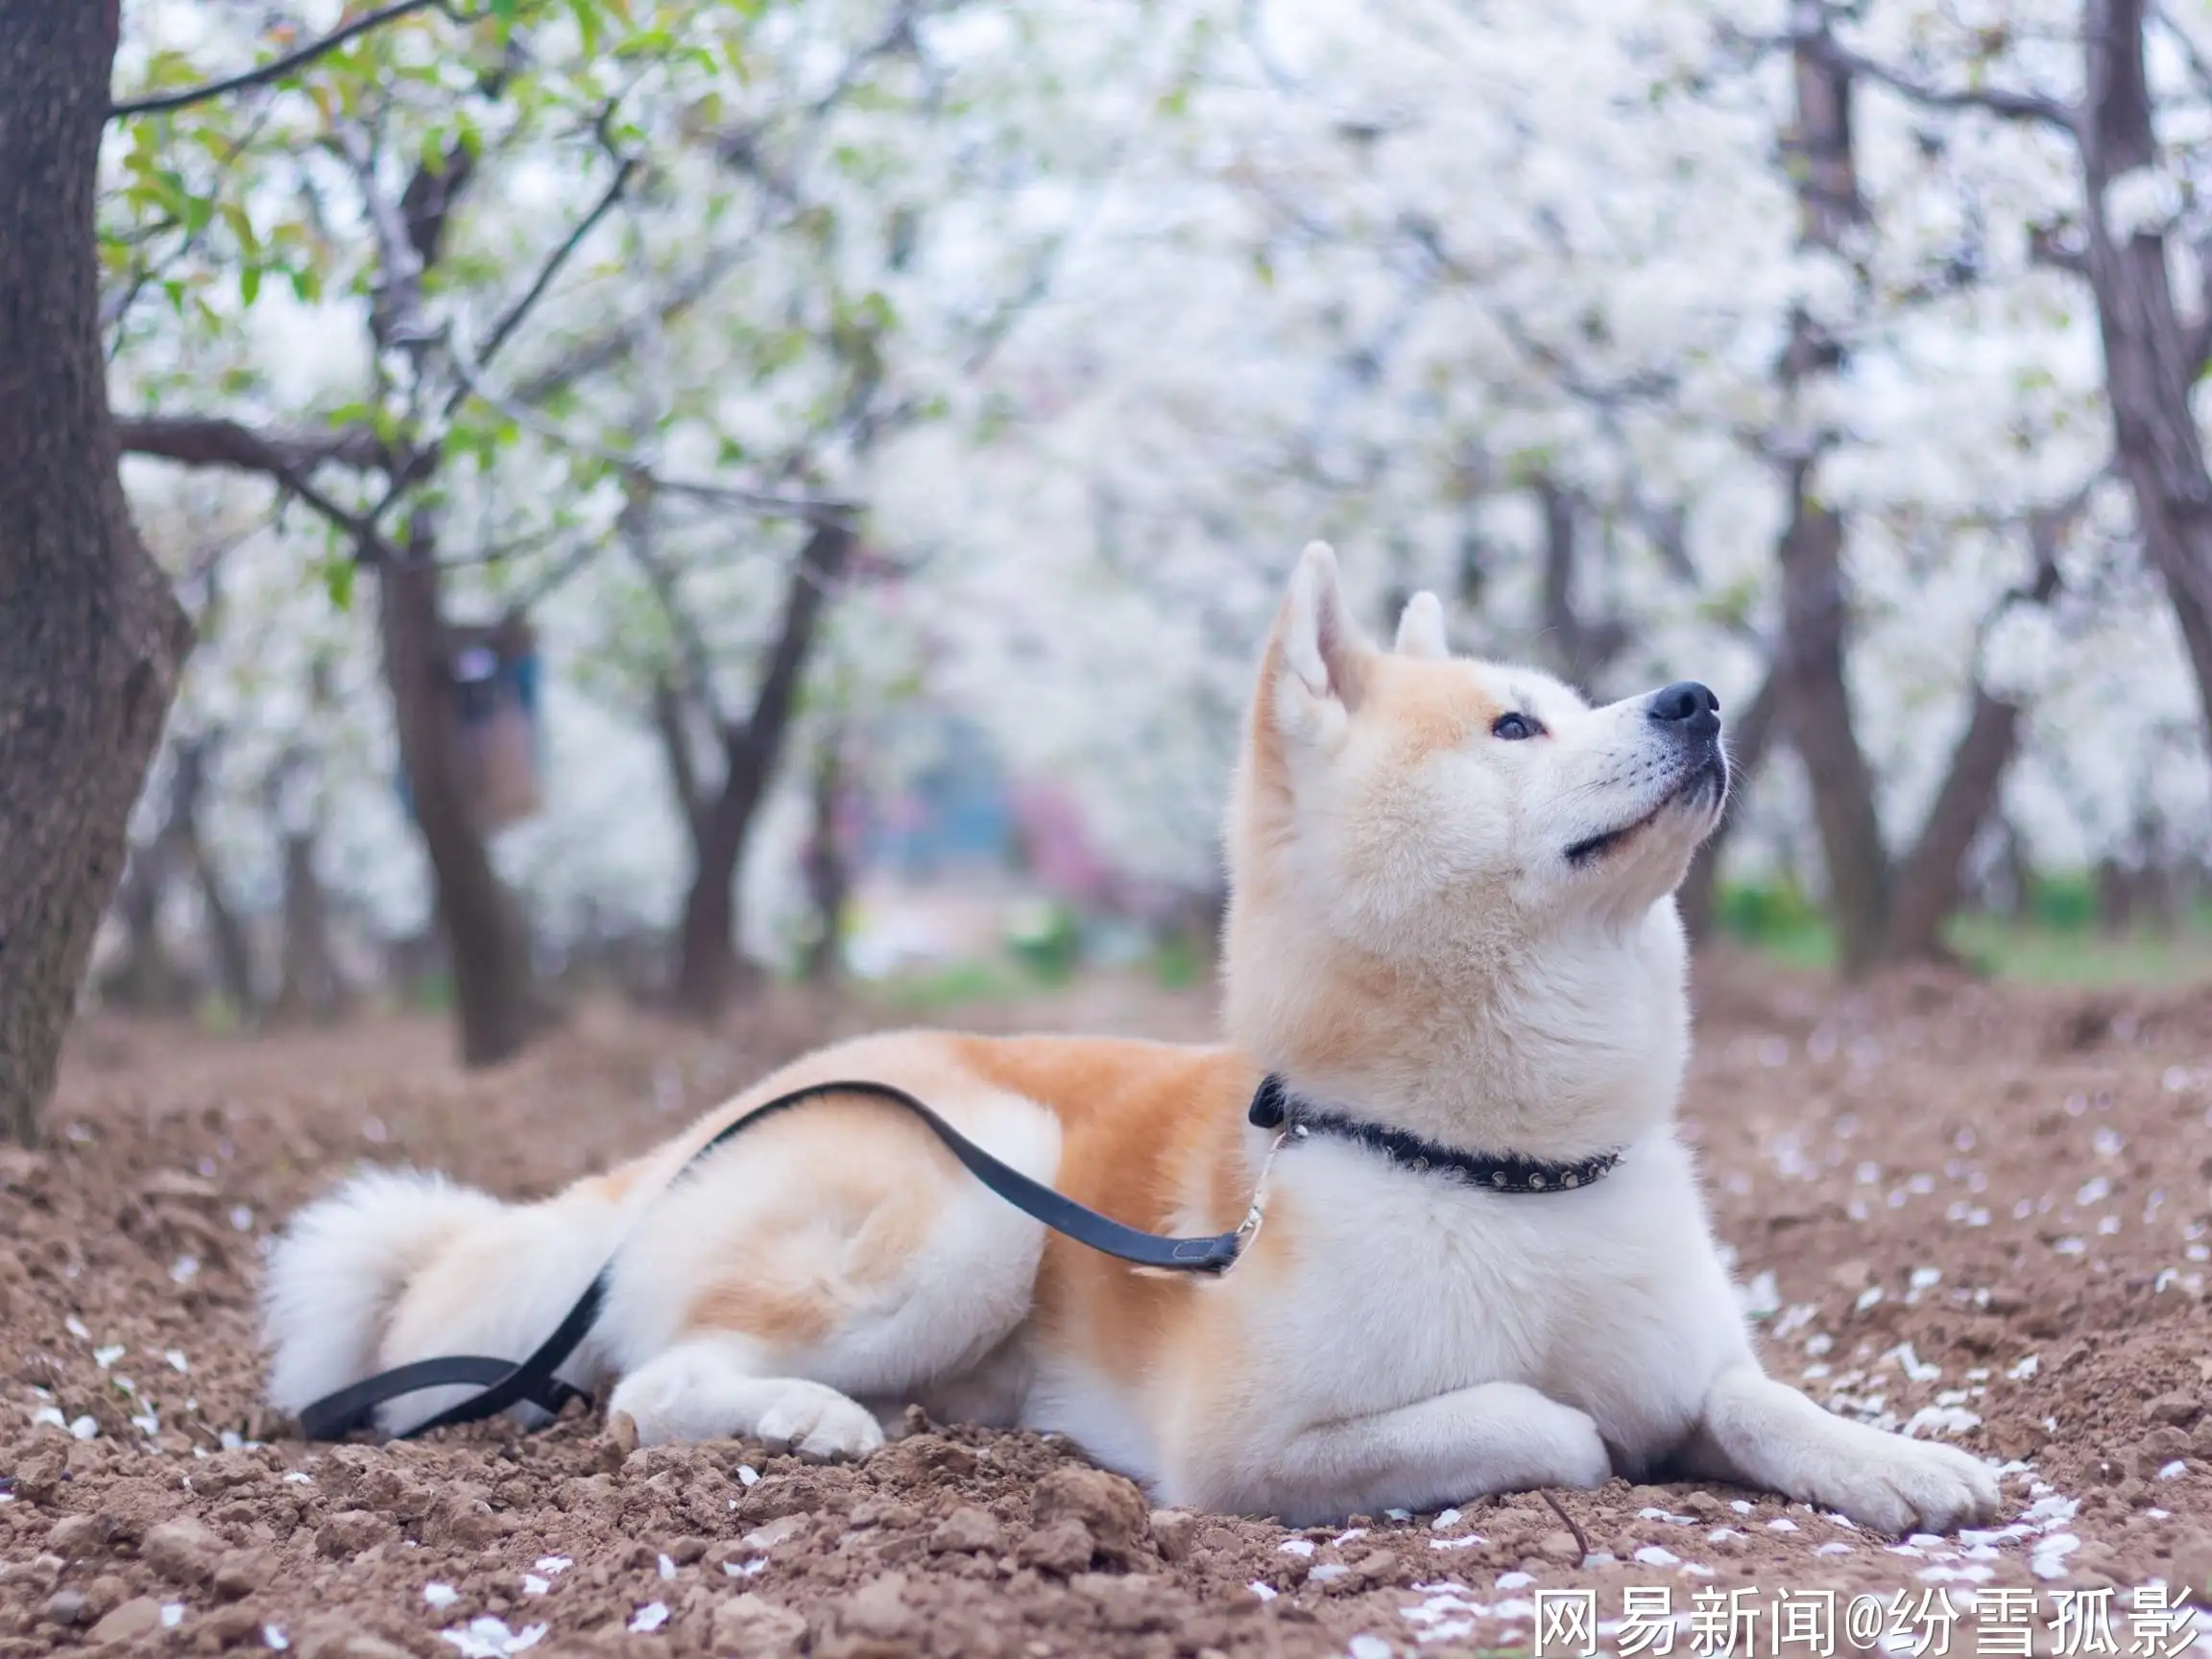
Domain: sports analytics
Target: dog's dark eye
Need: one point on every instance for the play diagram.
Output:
(1513, 728)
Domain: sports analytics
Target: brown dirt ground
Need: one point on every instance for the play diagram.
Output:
(1981, 1211)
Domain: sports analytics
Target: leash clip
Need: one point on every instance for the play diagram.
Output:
(1248, 1229)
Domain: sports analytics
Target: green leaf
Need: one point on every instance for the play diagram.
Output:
(249, 283)
(338, 572)
(241, 224)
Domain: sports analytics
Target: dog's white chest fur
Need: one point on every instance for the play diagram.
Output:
(1408, 1287)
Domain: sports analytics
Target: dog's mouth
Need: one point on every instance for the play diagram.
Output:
(1703, 785)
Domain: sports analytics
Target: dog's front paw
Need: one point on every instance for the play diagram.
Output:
(1903, 1485)
(818, 1423)
(1537, 1442)
(698, 1391)
(1578, 1456)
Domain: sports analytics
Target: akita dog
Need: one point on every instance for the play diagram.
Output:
(1454, 959)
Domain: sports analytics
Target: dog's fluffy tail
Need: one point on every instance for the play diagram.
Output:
(394, 1267)
(337, 1274)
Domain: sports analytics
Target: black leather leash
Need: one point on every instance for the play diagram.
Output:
(503, 1383)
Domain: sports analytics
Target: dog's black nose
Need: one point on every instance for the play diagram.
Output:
(1689, 706)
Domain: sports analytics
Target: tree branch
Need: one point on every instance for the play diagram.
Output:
(199, 571)
(1928, 878)
(2199, 70)
(636, 528)
(606, 350)
(813, 510)
(676, 749)
(214, 442)
(750, 749)
(1582, 650)
(2009, 106)
(512, 318)
(573, 564)
(395, 288)
(741, 150)
(2046, 246)
(2197, 338)
(1637, 387)
(275, 69)
(198, 441)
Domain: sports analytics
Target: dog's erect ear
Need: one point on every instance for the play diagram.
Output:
(1323, 656)
(1421, 628)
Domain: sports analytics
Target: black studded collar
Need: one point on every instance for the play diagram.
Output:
(1275, 1107)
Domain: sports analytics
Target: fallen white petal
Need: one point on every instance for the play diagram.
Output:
(488, 1638)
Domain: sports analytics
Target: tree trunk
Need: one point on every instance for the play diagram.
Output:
(709, 971)
(2150, 366)
(1750, 736)
(2016, 895)
(2159, 898)
(1581, 651)
(91, 637)
(2115, 899)
(185, 845)
(1930, 883)
(494, 991)
(828, 875)
(1816, 604)
(311, 988)
(234, 951)
(1818, 705)
(147, 979)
